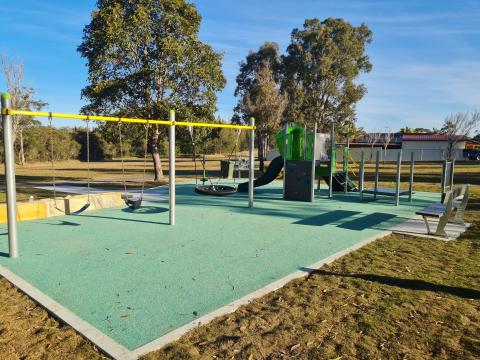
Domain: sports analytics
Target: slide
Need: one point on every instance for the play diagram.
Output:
(271, 174)
(338, 180)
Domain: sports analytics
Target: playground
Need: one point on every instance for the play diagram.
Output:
(163, 277)
(181, 255)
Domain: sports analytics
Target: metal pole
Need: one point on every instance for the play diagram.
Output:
(171, 168)
(345, 167)
(377, 173)
(314, 149)
(332, 145)
(362, 174)
(285, 154)
(305, 142)
(10, 177)
(412, 169)
(443, 179)
(452, 173)
(399, 169)
(251, 171)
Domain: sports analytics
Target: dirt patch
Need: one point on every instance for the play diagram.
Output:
(27, 331)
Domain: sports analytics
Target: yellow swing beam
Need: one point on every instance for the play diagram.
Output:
(14, 112)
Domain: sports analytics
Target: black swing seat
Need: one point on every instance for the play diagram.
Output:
(81, 210)
(215, 190)
(77, 212)
(133, 204)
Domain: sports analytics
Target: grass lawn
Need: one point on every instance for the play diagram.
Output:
(399, 297)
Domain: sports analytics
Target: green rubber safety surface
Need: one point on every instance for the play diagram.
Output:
(136, 278)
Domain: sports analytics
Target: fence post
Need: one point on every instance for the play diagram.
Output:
(251, 172)
(171, 168)
(10, 176)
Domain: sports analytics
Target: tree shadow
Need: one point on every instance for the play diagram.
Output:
(409, 284)
(327, 218)
(368, 221)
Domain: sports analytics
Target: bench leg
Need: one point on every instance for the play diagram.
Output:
(459, 216)
(426, 224)
(442, 222)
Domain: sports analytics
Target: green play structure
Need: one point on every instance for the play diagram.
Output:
(296, 149)
(300, 148)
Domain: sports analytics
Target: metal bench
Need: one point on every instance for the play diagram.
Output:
(442, 212)
(460, 195)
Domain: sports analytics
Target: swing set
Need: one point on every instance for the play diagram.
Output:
(130, 201)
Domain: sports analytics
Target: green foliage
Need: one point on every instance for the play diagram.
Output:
(419, 130)
(267, 55)
(322, 63)
(145, 57)
(100, 148)
(37, 144)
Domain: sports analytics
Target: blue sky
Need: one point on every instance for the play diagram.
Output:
(425, 53)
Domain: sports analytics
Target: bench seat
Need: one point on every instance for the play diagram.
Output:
(435, 211)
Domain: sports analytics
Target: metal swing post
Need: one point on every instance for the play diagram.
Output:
(251, 172)
(171, 168)
(10, 176)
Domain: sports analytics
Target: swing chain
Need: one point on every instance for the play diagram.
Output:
(121, 158)
(52, 154)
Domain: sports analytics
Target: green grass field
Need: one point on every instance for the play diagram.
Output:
(401, 297)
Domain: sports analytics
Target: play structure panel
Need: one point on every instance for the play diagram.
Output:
(298, 180)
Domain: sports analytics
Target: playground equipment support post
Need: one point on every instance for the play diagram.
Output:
(362, 174)
(314, 151)
(332, 147)
(171, 168)
(397, 185)
(377, 173)
(412, 169)
(251, 172)
(285, 154)
(10, 177)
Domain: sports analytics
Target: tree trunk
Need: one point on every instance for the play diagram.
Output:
(22, 151)
(153, 148)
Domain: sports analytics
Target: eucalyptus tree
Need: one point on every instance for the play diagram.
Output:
(259, 95)
(321, 65)
(264, 101)
(145, 57)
